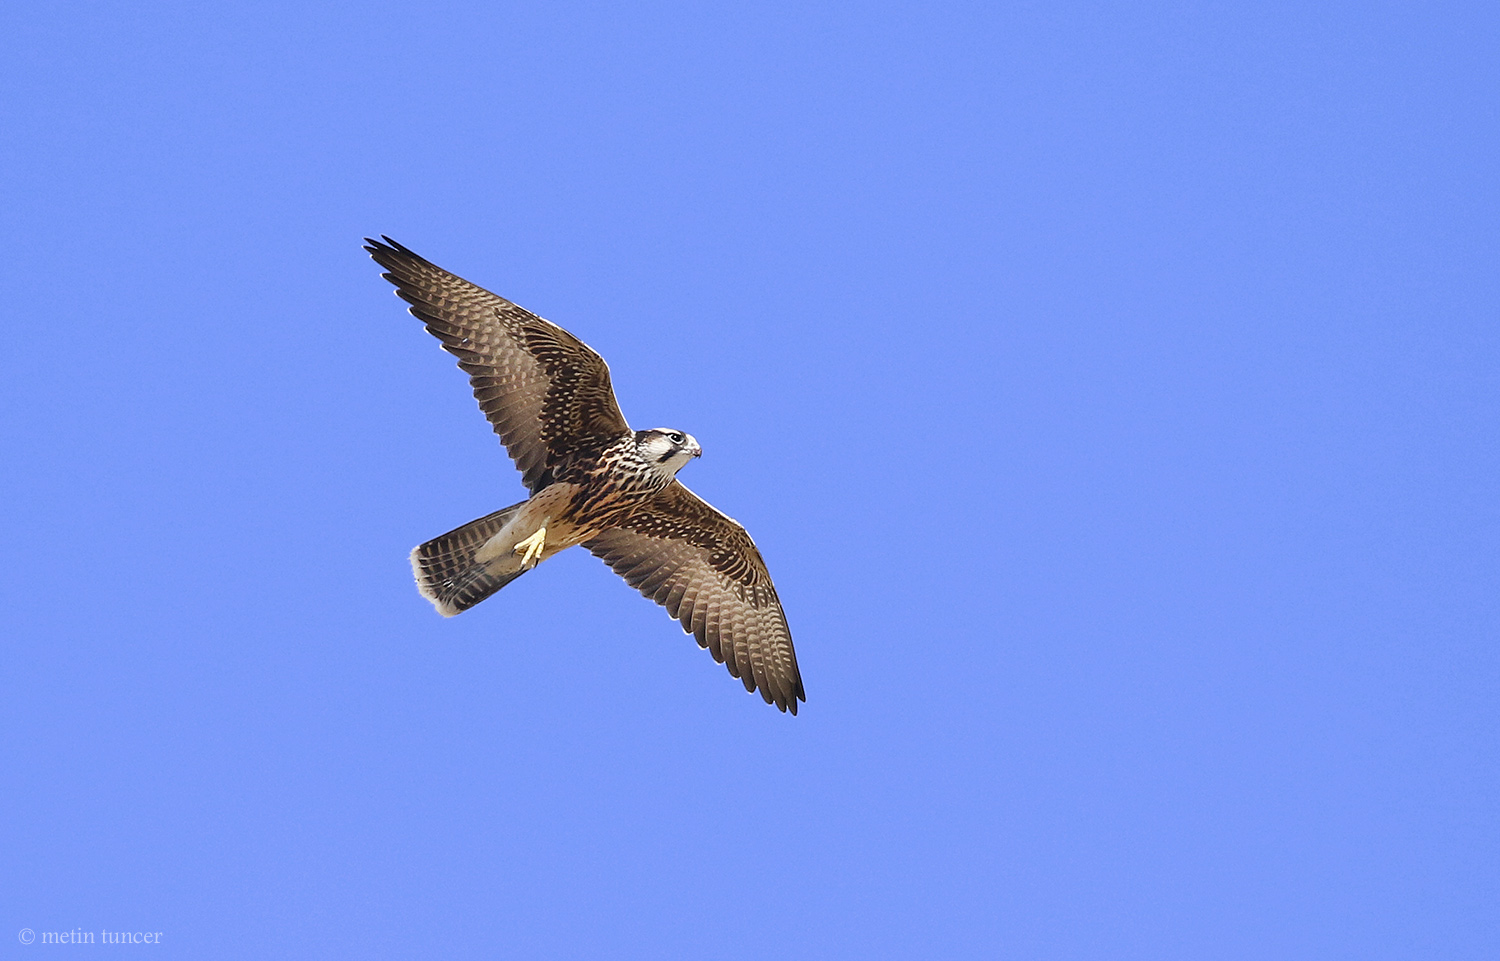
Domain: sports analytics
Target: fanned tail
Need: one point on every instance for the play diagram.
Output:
(449, 576)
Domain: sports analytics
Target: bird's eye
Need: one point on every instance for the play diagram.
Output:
(675, 438)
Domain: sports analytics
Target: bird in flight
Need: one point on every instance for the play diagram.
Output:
(593, 481)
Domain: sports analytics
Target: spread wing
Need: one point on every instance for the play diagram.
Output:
(704, 569)
(544, 391)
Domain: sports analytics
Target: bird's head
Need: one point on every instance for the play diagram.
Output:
(665, 449)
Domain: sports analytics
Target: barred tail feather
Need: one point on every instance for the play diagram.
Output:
(446, 570)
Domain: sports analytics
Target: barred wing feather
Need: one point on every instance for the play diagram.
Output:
(706, 571)
(546, 393)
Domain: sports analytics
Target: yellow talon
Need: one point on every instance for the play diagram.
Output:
(531, 548)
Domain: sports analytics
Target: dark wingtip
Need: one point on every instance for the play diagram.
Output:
(782, 702)
(386, 250)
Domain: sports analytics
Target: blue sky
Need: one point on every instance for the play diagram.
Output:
(1110, 387)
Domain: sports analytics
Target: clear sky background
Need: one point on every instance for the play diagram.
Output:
(1111, 388)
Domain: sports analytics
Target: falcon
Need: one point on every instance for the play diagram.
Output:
(593, 482)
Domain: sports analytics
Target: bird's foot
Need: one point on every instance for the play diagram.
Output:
(531, 549)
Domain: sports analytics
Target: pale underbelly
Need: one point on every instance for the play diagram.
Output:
(552, 509)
